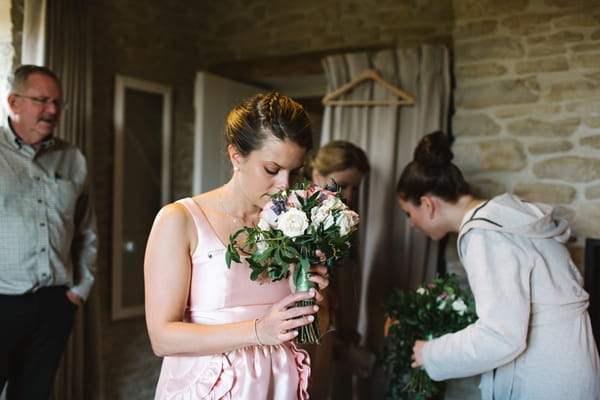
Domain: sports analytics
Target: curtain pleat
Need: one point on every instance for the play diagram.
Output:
(68, 55)
(391, 253)
(66, 45)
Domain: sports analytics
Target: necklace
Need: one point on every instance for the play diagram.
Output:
(237, 221)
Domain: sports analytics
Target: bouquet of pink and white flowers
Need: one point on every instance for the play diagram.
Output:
(304, 225)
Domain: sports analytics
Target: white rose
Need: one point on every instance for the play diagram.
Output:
(264, 224)
(268, 218)
(442, 304)
(421, 290)
(459, 306)
(332, 203)
(322, 215)
(293, 222)
(329, 221)
(261, 244)
(346, 221)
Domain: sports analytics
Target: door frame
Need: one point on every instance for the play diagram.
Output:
(122, 84)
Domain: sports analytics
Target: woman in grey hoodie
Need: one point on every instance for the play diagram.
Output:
(533, 338)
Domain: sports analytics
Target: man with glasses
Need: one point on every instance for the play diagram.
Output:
(48, 238)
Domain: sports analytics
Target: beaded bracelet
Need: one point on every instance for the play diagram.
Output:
(256, 332)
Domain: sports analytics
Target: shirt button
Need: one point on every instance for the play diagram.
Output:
(42, 224)
(40, 201)
(43, 249)
(37, 178)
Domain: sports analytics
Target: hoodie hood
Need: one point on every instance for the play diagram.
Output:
(508, 213)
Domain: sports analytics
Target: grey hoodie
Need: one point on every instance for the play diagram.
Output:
(508, 213)
(533, 338)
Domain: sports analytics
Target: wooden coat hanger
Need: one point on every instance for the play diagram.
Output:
(331, 98)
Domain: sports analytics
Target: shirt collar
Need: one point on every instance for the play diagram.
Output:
(14, 139)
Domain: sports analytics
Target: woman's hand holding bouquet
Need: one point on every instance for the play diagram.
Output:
(427, 312)
(299, 229)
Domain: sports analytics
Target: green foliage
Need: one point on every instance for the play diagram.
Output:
(325, 238)
(427, 312)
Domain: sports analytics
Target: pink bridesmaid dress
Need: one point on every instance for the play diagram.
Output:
(217, 296)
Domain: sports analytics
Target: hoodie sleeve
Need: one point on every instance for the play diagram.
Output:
(499, 274)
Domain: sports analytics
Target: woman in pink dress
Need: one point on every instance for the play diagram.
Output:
(222, 335)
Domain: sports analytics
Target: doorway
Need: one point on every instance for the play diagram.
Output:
(215, 95)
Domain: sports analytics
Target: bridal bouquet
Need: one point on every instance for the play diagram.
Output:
(427, 312)
(303, 225)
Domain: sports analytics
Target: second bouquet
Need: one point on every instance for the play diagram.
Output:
(304, 225)
(430, 311)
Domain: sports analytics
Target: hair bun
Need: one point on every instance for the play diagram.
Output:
(434, 150)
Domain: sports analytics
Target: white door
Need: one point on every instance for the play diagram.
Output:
(214, 96)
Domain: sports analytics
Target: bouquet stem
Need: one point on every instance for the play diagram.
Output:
(307, 333)
(421, 385)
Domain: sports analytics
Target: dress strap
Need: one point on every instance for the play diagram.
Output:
(195, 211)
(204, 230)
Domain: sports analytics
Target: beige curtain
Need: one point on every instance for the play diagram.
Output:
(34, 32)
(58, 34)
(392, 254)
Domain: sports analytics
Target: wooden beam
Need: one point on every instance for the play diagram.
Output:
(280, 66)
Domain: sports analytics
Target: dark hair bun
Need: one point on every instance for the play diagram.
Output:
(434, 150)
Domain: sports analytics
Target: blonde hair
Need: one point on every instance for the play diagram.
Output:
(335, 156)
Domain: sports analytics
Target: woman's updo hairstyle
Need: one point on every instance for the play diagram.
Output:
(431, 172)
(249, 124)
(336, 156)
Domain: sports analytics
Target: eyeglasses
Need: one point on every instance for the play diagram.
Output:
(46, 101)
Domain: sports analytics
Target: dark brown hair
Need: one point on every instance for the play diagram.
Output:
(432, 172)
(250, 123)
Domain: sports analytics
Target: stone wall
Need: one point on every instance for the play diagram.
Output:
(528, 104)
(6, 42)
(7, 49)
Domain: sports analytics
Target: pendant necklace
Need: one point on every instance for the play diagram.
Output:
(235, 220)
